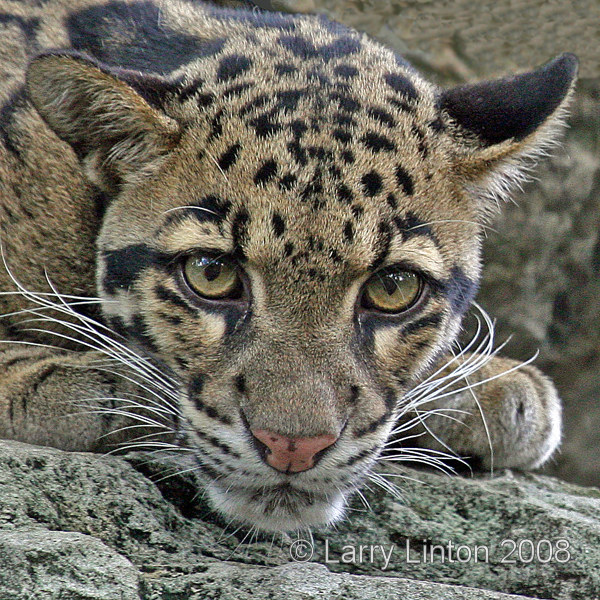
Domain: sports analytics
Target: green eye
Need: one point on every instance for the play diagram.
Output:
(392, 291)
(213, 278)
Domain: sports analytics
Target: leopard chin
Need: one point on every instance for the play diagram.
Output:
(278, 508)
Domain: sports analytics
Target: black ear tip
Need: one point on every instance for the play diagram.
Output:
(564, 66)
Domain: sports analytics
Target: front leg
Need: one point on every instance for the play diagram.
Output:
(68, 400)
(511, 421)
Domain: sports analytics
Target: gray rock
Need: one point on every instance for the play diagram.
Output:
(82, 526)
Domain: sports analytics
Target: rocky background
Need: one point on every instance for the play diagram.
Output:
(542, 275)
(76, 526)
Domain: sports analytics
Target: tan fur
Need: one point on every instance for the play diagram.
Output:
(90, 169)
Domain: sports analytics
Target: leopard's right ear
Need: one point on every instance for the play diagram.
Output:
(498, 126)
(115, 131)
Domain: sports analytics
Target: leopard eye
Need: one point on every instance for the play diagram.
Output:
(392, 291)
(213, 278)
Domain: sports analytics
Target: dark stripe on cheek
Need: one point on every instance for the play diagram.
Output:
(124, 266)
(373, 426)
(167, 295)
(428, 321)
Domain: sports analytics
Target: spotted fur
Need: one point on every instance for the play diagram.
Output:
(136, 132)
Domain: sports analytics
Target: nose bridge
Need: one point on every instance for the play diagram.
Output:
(291, 390)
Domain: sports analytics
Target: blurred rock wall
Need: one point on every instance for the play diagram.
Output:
(542, 274)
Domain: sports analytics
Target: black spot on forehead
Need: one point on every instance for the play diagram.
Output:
(305, 49)
(266, 172)
(401, 84)
(229, 157)
(346, 71)
(232, 66)
(381, 115)
(133, 35)
(405, 180)
(285, 69)
(377, 142)
(372, 183)
(278, 224)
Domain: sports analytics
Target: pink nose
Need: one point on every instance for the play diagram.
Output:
(292, 455)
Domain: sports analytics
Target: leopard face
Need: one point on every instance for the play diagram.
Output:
(291, 231)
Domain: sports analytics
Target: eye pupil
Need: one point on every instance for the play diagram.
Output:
(212, 271)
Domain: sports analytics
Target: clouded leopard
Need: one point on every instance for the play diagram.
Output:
(253, 236)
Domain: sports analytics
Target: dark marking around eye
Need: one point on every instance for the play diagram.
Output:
(349, 231)
(233, 66)
(239, 229)
(372, 183)
(401, 84)
(278, 225)
(229, 157)
(460, 290)
(267, 171)
(405, 181)
(382, 247)
(377, 142)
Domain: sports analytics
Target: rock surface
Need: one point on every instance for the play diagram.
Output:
(85, 527)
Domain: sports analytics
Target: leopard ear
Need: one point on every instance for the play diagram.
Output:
(113, 129)
(499, 126)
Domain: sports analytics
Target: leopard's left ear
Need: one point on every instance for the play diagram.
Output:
(109, 116)
(498, 125)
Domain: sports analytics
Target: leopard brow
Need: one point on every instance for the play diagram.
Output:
(420, 254)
